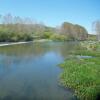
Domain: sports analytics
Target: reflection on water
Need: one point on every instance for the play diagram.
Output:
(30, 71)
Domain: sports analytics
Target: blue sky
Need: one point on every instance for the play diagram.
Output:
(54, 12)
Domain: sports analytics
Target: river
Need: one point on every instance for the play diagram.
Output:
(30, 71)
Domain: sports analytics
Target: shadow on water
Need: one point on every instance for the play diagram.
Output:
(30, 71)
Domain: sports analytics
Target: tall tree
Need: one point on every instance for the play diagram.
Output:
(74, 31)
(96, 28)
(8, 19)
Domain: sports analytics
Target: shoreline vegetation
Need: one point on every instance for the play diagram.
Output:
(82, 74)
(16, 29)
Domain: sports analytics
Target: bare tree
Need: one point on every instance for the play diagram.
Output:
(8, 19)
(96, 28)
(74, 31)
(0, 16)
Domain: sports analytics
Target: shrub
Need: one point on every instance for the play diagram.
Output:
(57, 37)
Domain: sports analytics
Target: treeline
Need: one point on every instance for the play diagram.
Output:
(15, 28)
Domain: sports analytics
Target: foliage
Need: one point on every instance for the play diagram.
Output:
(15, 28)
(57, 37)
(91, 37)
(6, 36)
(47, 35)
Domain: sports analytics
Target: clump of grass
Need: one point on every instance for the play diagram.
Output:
(83, 75)
(87, 48)
(86, 52)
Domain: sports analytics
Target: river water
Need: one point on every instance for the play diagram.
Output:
(31, 72)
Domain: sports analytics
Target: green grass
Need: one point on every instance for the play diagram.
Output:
(89, 48)
(86, 52)
(82, 75)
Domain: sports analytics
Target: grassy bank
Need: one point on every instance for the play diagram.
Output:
(82, 74)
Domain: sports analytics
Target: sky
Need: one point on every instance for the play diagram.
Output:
(54, 12)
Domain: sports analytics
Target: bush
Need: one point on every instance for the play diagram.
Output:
(47, 35)
(14, 37)
(4, 37)
(57, 37)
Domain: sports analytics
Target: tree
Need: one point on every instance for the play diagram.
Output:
(8, 19)
(80, 32)
(74, 32)
(15, 28)
(0, 17)
(96, 29)
(67, 29)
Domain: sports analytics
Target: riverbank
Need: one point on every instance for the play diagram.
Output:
(43, 40)
(16, 43)
(82, 74)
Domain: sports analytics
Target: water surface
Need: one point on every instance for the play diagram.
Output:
(30, 71)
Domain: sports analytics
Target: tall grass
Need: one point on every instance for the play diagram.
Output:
(82, 75)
